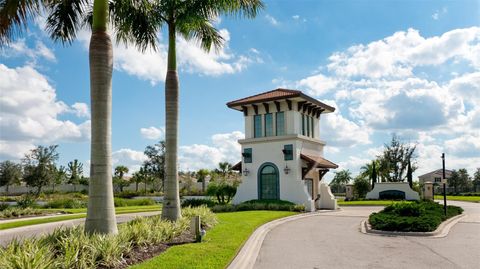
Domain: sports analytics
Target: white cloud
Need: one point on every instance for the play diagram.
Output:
(30, 112)
(152, 133)
(21, 48)
(318, 84)
(271, 20)
(81, 110)
(398, 54)
(295, 17)
(225, 149)
(152, 65)
(438, 13)
(130, 158)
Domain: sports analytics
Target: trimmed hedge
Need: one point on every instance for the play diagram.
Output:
(273, 205)
(424, 216)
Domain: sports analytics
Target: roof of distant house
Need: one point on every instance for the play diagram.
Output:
(276, 95)
(438, 172)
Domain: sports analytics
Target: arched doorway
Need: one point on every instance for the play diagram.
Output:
(268, 182)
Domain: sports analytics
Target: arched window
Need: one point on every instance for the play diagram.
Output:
(268, 182)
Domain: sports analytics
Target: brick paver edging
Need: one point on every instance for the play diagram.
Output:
(442, 230)
(247, 255)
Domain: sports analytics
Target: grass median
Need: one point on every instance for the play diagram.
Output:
(473, 199)
(75, 213)
(220, 245)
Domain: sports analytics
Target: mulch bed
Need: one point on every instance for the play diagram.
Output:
(140, 254)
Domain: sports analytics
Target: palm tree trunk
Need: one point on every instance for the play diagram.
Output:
(171, 200)
(101, 210)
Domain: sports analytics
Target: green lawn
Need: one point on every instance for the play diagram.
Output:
(365, 203)
(220, 245)
(474, 199)
(77, 213)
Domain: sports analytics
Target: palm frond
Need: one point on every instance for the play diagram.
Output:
(200, 29)
(193, 18)
(137, 22)
(14, 16)
(65, 18)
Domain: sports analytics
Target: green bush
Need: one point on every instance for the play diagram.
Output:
(120, 202)
(274, 205)
(198, 202)
(222, 191)
(26, 201)
(66, 203)
(128, 194)
(423, 216)
(4, 206)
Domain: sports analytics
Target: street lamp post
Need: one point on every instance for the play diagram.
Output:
(444, 186)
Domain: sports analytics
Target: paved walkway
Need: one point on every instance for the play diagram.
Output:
(333, 240)
(40, 229)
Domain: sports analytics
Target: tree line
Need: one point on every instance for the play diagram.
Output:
(397, 163)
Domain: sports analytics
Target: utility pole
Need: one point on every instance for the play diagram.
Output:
(444, 186)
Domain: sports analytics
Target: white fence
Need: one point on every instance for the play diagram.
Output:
(15, 190)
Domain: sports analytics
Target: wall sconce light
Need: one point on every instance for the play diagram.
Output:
(286, 170)
(246, 172)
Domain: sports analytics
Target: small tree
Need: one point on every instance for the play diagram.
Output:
(395, 159)
(74, 172)
(39, 166)
(223, 191)
(476, 180)
(340, 179)
(454, 180)
(409, 175)
(360, 187)
(464, 181)
(60, 176)
(154, 166)
(202, 177)
(118, 179)
(138, 177)
(10, 174)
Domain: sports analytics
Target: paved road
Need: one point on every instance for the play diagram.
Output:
(333, 240)
(40, 229)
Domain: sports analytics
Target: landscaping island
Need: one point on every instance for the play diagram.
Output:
(422, 216)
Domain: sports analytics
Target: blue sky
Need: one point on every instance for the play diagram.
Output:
(405, 67)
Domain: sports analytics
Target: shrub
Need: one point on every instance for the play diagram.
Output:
(128, 194)
(72, 248)
(423, 216)
(198, 202)
(120, 202)
(26, 254)
(274, 205)
(26, 201)
(222, 191)
(66, 203)
(15, 212)
(4, 206)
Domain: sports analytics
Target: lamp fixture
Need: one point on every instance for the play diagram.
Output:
(286, 170)
(246, 172)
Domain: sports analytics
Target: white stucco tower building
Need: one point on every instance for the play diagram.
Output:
(282, 154)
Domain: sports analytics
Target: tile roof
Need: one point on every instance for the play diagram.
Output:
(277, 94)
(319, 162)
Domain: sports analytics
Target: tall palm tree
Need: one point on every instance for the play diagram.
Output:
(63, 21)
(191, 19)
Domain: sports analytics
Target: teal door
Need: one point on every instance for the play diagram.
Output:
(268, 182)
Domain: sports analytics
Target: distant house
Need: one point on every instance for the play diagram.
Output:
(282, 151)
(434, 176)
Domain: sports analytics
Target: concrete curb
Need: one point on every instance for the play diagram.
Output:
(442, 230)
(246, 257)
